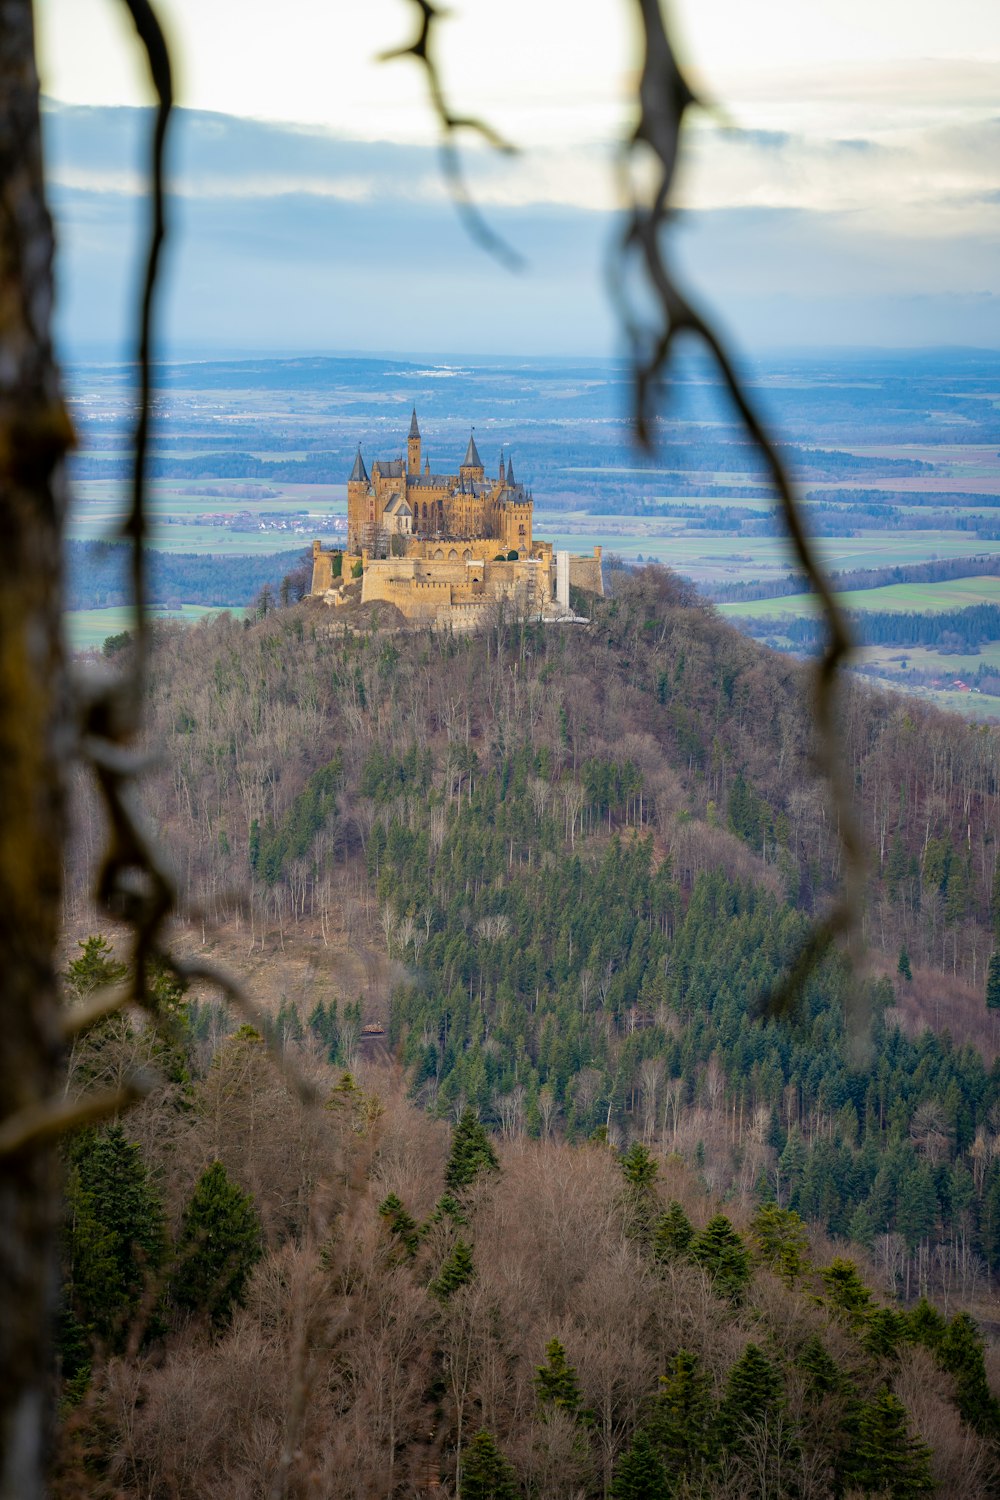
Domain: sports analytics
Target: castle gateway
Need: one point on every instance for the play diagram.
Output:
(444, 547)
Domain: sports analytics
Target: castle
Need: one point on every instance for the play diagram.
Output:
(444, 548)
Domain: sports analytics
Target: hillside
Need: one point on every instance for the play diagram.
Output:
(565, 869)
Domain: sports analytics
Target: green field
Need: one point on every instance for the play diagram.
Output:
(89, 628)
(889, 659)
(977, 706)
(99, 505)
(897, 598)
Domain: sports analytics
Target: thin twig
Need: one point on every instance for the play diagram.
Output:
(422, 49)
(664, 98)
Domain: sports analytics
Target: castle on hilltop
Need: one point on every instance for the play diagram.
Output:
(401, 499)
(443, 548)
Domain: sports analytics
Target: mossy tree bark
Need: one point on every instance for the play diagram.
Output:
(34, 435)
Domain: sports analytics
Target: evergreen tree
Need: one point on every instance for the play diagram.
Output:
(486, 1474)
(457, 1270)
(885, 1331)
(927, 1326)
(845, 1289)
(115, 1234)
(471, 1153)
(401, 1226)
(993, 982)
(638, 1167)
(886, 1460)
(639, 1472)
(683, 1416)
(824, 1376)
(639, 1170)
(903, 966)
(753, 1394)
(96, 967)
(960, 1352)
(778, 1238)
(218, 1246)
(721, 1251)
(556, 1383)
(673, 1233)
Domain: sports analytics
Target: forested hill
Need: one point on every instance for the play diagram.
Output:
(571, 864)
(591, 854)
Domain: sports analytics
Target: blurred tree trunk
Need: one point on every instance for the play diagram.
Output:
(34, 725)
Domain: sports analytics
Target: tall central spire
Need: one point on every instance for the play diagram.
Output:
(413, 446)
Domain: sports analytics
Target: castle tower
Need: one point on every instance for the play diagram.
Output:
(413, 446)
(357, 503)
(472, 464)
(501, 466)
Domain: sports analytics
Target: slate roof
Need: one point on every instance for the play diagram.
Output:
(414, 429)
(359, 471)
(472, 459)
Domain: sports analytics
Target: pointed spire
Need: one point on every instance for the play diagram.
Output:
(472, 459)
(501, 466)
(359, 471)
(510, 472)
(414, 429)
(427, 466)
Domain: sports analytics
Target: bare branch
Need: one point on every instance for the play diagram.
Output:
(422, 49)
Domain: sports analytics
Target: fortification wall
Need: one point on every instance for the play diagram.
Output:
(585, 573)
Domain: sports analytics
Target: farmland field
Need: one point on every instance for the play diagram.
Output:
(897, 598)
(896, 458)
(88, 629)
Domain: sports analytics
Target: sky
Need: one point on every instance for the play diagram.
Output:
(843, 187)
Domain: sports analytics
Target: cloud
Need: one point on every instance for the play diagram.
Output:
(285, 237)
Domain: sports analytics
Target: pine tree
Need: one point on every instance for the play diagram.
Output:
(639, 1170)
(721, 1251)
(683, 1416)
(903, 967)
(457, 1270)
(639, 1472)
(993, 982)
(927, 1326)
(845, 1289)
(486, 1474)
(778, 1239)
(673, 1233)
(556, 1383)
(218, 1246)
(886, 1330)
(471, 1153)
(400, 1224)
(824, 1376)
(753, 1394)
(960, 1352)
(96, 967)
(886, 1460)
(115, 1236)
(638, 1167)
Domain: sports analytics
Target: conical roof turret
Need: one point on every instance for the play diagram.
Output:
(414, 429)
(359, 472)
(510, 473)
(472, 459)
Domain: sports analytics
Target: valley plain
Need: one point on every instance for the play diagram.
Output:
(897, 458)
